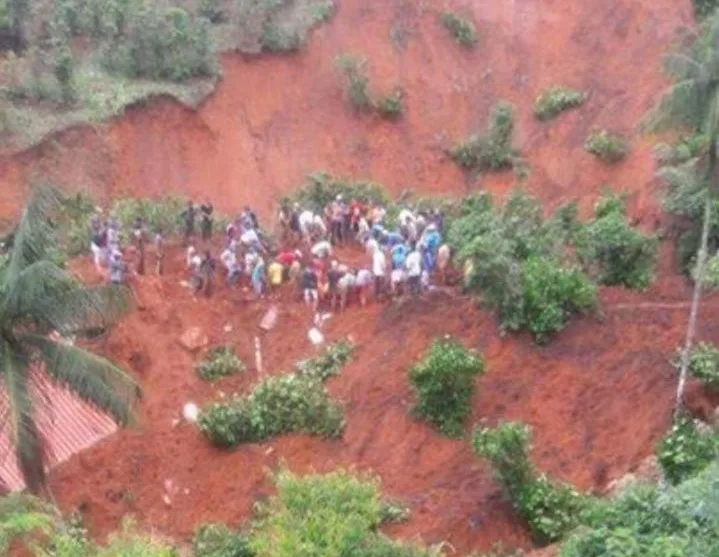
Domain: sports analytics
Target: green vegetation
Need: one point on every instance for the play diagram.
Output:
(555, 100)
(685, 451)
(519, 264)
(354, 71)
(492, 150)
(704, 364)
(684, 149)
(710, 279)
(551, 510)
(646, 520)
(705, 8)
(326, 515)
(390, 106)
(217, 540)
(608, 146)
(321, 188)
(36, 298)
(219, 362)
(613, 250)
(443, 381)
(277, 405)
(462, 29)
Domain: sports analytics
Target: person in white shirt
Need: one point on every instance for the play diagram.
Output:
(322, 249)
(413, 264)
(229, 259)
(396, 280)
(251, 259)
(362, 230)
(372, 245)
(319, 227)
(379, 270)
(364, 285)
(306, 219)
(250, 239)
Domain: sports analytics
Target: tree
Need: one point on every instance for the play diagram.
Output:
(693, 103)
(38, 298)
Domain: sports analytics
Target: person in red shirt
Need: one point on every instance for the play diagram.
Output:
(287, 258)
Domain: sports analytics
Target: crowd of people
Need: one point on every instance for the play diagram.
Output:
(394, 261)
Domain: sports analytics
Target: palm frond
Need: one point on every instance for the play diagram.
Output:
(34, 235)
(23, 430)
(48, 296)
(93, 378)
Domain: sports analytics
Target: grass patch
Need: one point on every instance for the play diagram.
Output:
(461, 28)
(320, 188)
(607, 146)
(555, 100)
(391, 106)
(354, 70)
(219, 361)
(492, 150)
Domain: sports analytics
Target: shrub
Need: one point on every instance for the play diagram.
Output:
(354, 70)
(555, 100)
(212, 11)
(705, 8)
(333, 514)
(704, 364)
(328, 364)
(444, 384)
(217, 540)
(550, 510)
(461, 28)
(390, 107)
(684, 451)
(277, 405)
(279, 38)
(219, 362)
(162, 215)
(492, 150)
(606, 145)
(162, 43)
(711, 272)
(683, 150)
(321, 188)
(617, 252)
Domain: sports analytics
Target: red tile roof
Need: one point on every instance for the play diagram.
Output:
(67, 424)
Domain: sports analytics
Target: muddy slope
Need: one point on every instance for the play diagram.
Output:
(275, 119)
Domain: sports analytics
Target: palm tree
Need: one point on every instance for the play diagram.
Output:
(37, 298)
(693, 103)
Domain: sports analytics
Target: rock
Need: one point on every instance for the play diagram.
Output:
(194, 339)
(190, 412)
(228, 328)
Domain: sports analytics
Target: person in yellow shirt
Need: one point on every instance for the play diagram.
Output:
(274, 273)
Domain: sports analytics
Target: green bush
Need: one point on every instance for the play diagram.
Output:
(711, 272)
(321, 188)
(161, 215)
(703, 364)
(328, 364)
(444, 384)
(277, 405)
(390, 107)
(607, 146)
(555, 100)
(280, 38)
(683, 150)
(212, 11)
(326, 515)
(219, 362)
(462, 29)
(615, 251)
(705, 8)
(354, 70)
(684, 451)
(162, 43)
(492, 150)
(551, 510)
(217, 540)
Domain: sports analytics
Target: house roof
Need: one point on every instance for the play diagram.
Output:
(66, 424)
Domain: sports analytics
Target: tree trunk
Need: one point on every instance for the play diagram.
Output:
(698, 280)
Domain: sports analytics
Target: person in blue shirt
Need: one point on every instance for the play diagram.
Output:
(394, 238)
(399, 255)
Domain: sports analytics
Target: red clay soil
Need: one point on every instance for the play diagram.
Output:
(274, 119)
(597, 398)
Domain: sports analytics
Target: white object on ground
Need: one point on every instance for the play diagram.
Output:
(258, 355)
(315, 336)
(190, 412)
(228, 328)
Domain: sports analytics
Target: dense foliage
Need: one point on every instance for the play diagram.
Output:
(555, 100)
(443, 381)
(219, 362)
(551, 510)
(321, 188)
(519, 264)
(289, 403)
(685, 451)
(354, 70)
(646, 521)
(461, 28)
(613, 250)
(492, 150)
(326, 516)
(705, 8)
(704, 364)
(390, 106)
(606, 145)
(217, 540)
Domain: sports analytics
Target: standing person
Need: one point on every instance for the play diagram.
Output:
(333, 277)
(322, 249)
(188, 220)
(251, 258)
(206, 224)
(117, 268)
(228, 259)
(444, 254)
(113, 236)
(249, 219)
(159, 253)
(379, 270)
(258, 278)
(397, 277)
(337, 219)
(309, 283)
(306, 219)
(295, 222)
(141, 253)
(98, 246)
(207, 270)
(346, 285)
(413, 264)
(275, 274)
(364, 285)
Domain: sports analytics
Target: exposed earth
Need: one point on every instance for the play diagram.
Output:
(597, 398)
